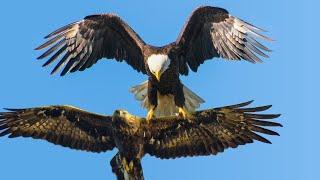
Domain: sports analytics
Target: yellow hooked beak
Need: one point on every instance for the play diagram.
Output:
(158, 75)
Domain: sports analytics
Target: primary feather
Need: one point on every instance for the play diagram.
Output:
(209, 32)
(208, 132)
(62, 125)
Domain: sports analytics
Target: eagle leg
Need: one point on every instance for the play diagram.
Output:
(117, 167)
(126, 171)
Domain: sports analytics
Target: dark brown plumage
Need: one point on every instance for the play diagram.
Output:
(207, 133)
(108, 36)
(84, 42)
(210, 32)
(61, 125)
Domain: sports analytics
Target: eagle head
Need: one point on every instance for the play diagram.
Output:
(124, 120)
(158, 63)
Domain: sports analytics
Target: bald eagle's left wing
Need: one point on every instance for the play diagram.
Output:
(62, 125)
(212, 32)
(210, 132)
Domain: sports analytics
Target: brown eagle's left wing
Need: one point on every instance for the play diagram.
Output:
(212, 32)
(62, 125)
(209, 132)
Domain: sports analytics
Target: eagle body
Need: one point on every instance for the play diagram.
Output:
(169, 84)
(209, 33)
(207, 132)
(167, 91)
(128, 135)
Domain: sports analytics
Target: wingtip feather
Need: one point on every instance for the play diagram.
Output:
(240, 104)
(12, 109)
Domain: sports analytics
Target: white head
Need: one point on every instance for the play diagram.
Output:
(158, 63)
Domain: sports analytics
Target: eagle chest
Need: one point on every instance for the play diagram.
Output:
(167, 87)
(127, 134)
(169, 80)
(130, 143)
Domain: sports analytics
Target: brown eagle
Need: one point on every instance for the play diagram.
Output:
(207, 132)
(210, 32)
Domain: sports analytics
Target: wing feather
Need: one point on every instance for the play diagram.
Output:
(208, 132)
(62, 125)
(212, 32)
(91, 39)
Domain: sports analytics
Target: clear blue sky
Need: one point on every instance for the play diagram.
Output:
(289, 80)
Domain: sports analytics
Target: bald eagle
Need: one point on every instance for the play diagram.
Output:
(207, 132)
(210, 32)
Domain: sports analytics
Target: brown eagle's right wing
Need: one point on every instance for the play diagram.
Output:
(209, 132)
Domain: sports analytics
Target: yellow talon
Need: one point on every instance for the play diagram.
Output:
(125, 165)
(150, 114)
(131, 165)
(184, 113)
(127, 168)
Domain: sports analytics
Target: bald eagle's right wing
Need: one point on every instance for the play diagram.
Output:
(61, 125)
(209, 132)
(85, 42)
(212, 32)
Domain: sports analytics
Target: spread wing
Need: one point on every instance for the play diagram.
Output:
(211, 32)
(209, 132)
(61, 125)
(85, 42)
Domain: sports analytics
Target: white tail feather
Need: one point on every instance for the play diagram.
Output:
(166, 105)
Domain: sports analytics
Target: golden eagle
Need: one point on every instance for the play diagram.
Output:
(208, 132)
(209, 32)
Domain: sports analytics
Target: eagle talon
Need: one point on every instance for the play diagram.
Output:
(184, 113)
(150, 114)
(125, 165)
(127, 168)
(131, 165)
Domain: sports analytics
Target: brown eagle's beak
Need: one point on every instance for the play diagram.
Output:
(158, 75)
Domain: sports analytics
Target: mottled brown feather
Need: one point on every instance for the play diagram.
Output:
(62, 125)
(208, 132)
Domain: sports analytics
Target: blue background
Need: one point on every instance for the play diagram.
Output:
(289, 80)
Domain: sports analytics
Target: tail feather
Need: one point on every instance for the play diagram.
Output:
(140, 91)
(166, 105)
(193, 101)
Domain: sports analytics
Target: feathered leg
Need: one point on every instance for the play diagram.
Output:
(153, 99)
(180, 102)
